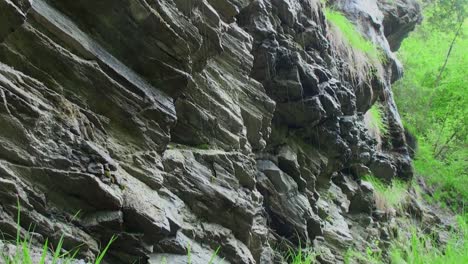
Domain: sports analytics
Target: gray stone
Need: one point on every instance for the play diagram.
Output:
(383, 168)
(283, 183)
(363, 201)
(219, 123)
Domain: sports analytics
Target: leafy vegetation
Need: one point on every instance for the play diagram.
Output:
(369, 256)
(189, 255)
(419, 248)
(203, 146)
(351, 35)
(416, 247)
(433, 98)
(388, 196)
(364, 58)
(301, 256)
(377, 121)
(424, 249)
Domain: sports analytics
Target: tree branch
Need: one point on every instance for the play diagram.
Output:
(448, 55)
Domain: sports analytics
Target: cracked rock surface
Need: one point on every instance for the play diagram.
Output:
(209, 123)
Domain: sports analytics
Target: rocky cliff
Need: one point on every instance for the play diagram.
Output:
(238, 124)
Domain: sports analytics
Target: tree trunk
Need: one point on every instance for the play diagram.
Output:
(457, 33)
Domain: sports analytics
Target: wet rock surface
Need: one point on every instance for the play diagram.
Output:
(211, 123)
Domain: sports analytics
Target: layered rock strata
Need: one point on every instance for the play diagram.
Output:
(211, 123)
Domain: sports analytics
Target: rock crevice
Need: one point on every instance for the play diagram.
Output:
(214, 123)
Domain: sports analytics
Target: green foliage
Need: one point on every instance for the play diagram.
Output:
(361, 60)
(22, 255)
(447, 176)
(189, 254)
(301, 256)
(377, 120)
(419, 248)
(370, 256)
(424, 249)
(101, 255)
(388, 195)
(212, 258)
(445, 15)
(203, 146)
(351, 35)
(432, 99)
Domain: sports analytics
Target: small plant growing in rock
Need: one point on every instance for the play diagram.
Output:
(388, 197)
(377, 119)
(212, 258)
(365, 59)
(424, 248)
(352, 36)
(23, 253)
(301, 256)
(203, 146)
(370, 256)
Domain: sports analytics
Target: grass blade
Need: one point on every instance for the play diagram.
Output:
(57, 250)
(189, 255)
(44, 252)
(104, 251)
(214, 255)
(26, 255)
(18, 228)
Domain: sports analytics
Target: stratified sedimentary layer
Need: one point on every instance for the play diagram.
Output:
(211, 123)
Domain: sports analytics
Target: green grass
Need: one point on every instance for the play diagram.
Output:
(433, 103)
(388, 195)
(448, 178)
(423, 249)
(214, 255)
(212, 258)
(370, 256)
(419, 248)
(23, 253)
(351, 35)
(377, 120)
(24, 250)
(362, 61)
(301, 256)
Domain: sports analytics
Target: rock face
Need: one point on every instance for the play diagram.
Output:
(210, 123)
